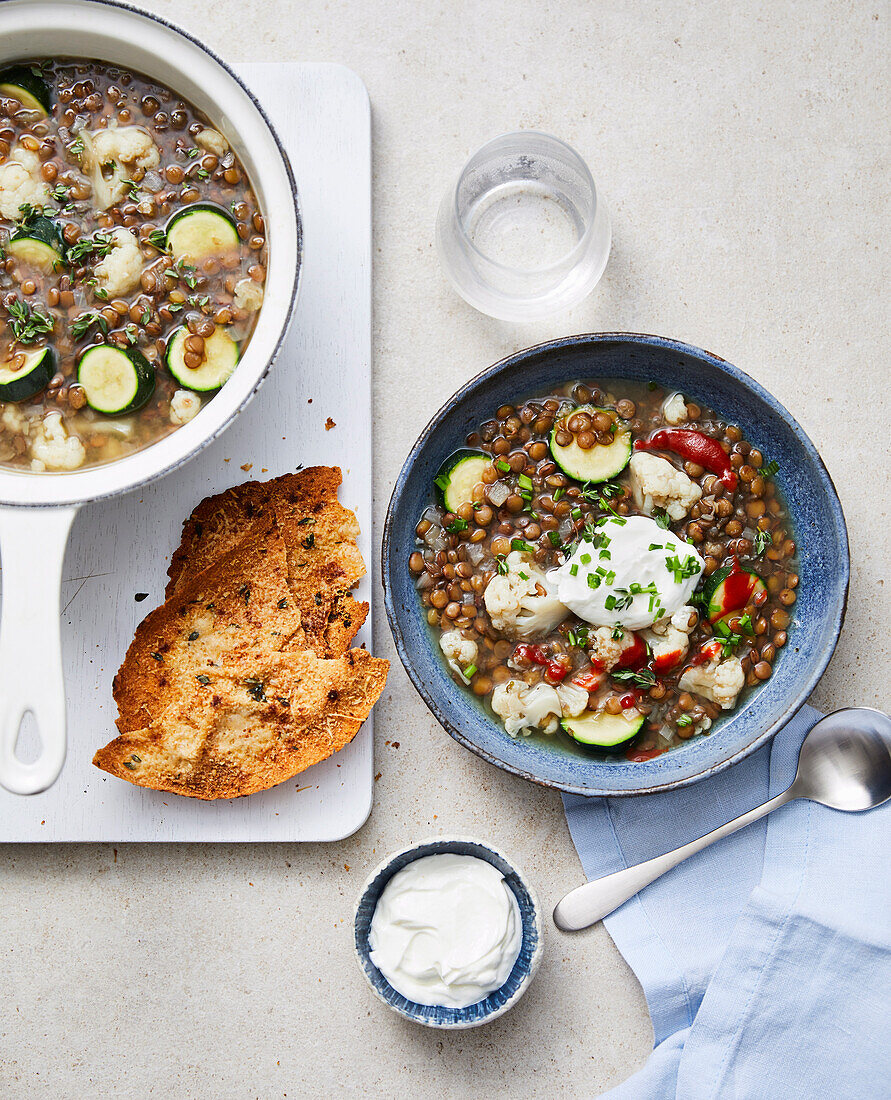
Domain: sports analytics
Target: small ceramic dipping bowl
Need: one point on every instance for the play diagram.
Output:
(498, 1002)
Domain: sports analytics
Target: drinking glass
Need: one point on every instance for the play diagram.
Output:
(522, 233)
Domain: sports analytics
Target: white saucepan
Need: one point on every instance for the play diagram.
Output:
(36, 509)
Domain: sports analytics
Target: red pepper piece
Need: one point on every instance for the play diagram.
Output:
(634, 654)
(590, 680)
(628, 701)
(639, 755)
(534, 654)
(695, 447)
(708, 653)
(665, 661)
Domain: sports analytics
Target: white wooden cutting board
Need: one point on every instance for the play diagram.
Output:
(121, 547)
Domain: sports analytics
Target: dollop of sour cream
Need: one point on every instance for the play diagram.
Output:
(446, 930)
(632, 572)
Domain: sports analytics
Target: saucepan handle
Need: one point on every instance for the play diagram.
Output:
(32, 550)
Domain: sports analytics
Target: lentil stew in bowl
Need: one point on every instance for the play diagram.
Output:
(134, 256)
(609, 566)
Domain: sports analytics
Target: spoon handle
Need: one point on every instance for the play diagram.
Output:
(595, 900)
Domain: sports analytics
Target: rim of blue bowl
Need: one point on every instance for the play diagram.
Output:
(807, 683)
(500, 1000)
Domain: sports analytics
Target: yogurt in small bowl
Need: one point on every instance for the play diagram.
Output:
(448, 932)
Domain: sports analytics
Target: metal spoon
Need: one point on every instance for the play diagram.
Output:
(844, 763)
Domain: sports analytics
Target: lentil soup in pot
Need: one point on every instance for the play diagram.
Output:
(132, 263)
(611, 565)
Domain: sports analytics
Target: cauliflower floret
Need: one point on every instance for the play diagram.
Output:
(119, 271)
(14, 420)
(573, 699)
(523, 707)
(213, 141)
(248, 295)
(674, 409)
(111, 156)
(720, 681)
(459, 651)
(54, 447)
(655, 483)
(21, 182)
(521, 601)
(184, 406)
(669, 639)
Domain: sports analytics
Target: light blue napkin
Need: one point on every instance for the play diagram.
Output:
(765, 959)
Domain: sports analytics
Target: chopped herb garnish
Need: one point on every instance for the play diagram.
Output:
(661, 517)
(501, 565)
(574, 570)
(469, 671)
(656, 546)
(521, 544)
(28, 324)
(522, 575)
(457, 524)
(96, 246)
(525, 482)
(558, 494)
(255, 688)
(158, 239)
(594, 582)
(604, 555)
(762, 541)
(203, 174)
(643, 677)
(576, 513)
(83, 321)
(684, 720)
(554, 538)
(770, 468)
(503, 466)
(618, 632)
(585, 559)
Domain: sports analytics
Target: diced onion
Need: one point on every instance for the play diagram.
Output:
(498, 493)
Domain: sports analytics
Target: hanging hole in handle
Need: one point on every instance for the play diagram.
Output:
(28, 745)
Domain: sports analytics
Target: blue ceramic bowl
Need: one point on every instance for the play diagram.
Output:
(819, 531)
(497, 1003)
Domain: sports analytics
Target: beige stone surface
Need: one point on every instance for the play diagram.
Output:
(742, 150)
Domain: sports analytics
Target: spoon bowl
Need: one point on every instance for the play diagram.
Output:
(844, 763)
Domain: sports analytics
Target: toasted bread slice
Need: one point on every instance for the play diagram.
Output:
(324, 562)
(240, 605)
(249, 727)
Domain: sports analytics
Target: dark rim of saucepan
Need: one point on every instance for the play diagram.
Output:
(154, 475)
(517, 358)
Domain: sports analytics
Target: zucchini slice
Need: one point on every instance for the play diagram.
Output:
(32, 91)
(601, 462)
(201, 230)
(39, 244)
(601, 730)
(115, 380)
(32, 377)
(728, 590)
(457, 477)
(220, 360)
